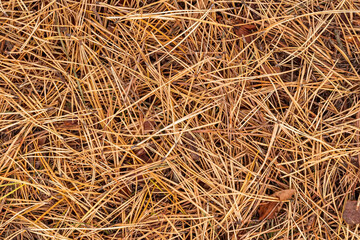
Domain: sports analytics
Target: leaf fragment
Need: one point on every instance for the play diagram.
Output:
(267, 70)
(191, 145)
(148, 126)
(244, 31)
(351, 213)
(270, 209)
(284, 194)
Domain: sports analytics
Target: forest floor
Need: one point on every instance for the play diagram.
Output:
(179, 119)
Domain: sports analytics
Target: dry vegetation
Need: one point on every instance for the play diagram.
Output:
(178, 119)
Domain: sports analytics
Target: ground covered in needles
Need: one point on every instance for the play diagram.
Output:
(179, 119)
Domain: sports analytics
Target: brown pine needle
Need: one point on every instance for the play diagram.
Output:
(167, 119)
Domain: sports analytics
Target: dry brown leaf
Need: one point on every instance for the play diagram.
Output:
(284, 194)
(356, 22)
(2, 46)
(219, 18)
(41, 140)
(244, 31)
(191, 145)
(148, 126)
(353, 40)
(142, 154)
(5, 46)
(351, 213)
(310, 222)
(70, 125)
(270, 70)
(345, 17)
(268, 210)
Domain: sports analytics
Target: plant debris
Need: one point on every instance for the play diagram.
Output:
(244, 31)
(149, 119)
(270, 209)
(351, 212)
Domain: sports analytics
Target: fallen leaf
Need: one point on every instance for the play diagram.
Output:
(219, 18)
(5, 46)
(41, 140)
(351, 213)
(125, 191)
(142, 154)
(244, 31)
(345, 17)
(284, 194)
(353, 40)
(191, 145)
(9, 46)
(270, 70)
(148, 126)
(2, 46)
(145, 153)
(70, 125)
(268, 210)
(310, 222)
(356, 22)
